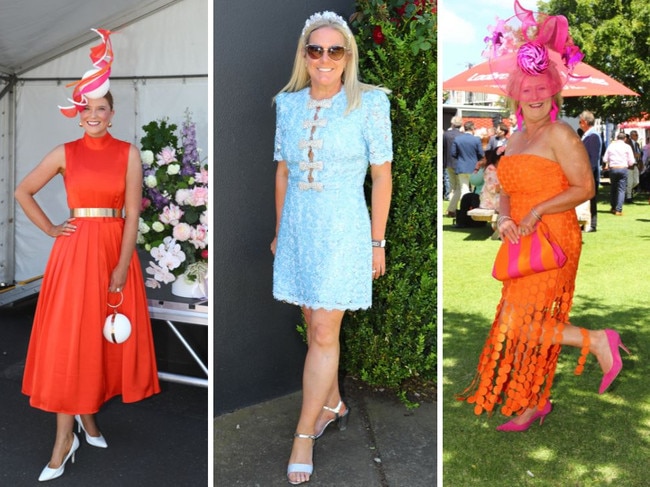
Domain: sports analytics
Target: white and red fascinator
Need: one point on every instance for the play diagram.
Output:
(531, 44)
(94, 83)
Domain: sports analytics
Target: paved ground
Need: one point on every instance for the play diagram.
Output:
(162, 441)
(385, 444)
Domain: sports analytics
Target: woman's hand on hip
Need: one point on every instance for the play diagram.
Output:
(65, 229)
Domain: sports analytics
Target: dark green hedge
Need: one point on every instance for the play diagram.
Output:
(393, 344)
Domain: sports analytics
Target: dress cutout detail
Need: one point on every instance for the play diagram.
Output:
(519, 358)
(324, 254)
(70, 367)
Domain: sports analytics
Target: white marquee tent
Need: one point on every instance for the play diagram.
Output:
(160, 70)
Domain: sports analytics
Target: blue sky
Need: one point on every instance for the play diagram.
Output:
(462, 25)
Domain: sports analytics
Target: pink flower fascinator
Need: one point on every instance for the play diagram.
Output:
(531, 44)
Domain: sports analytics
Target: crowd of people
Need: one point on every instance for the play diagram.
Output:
(471, 156)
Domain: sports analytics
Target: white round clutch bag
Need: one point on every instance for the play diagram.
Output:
(117, 327)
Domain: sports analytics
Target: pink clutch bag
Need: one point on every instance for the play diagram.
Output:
(536, 252)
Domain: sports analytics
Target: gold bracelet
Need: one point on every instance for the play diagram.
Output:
(535, 214)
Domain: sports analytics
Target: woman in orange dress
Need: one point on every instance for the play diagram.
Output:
(544, 175)
(71, 369)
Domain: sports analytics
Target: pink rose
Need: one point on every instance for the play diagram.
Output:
(166, 156)
(199, 237)
(182, 232)
(201, 177)
(183, 196)
(199, 196)
(171, 214)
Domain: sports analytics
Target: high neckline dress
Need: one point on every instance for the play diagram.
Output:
(517, 365)
(324, 254)
(70, 367)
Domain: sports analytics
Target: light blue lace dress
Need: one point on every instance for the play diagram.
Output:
(324, 253)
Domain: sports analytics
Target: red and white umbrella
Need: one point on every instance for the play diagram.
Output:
(588, 81)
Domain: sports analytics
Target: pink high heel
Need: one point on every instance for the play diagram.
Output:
(614, 340)
(539, 414)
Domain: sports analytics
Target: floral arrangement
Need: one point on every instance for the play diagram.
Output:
(173, 226)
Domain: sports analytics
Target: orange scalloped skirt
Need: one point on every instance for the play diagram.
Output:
(518, 361)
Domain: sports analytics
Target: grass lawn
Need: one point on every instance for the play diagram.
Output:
(588, 439)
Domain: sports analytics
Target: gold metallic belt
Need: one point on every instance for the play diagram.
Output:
(91, 212)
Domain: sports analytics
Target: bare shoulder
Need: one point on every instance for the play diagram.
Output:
(56, 157)
(515, 143)
(58, 151)
(567, 146)
(134, 152)
(563, 131)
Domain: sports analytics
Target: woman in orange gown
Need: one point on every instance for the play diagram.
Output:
(71, 369)
(544, 175)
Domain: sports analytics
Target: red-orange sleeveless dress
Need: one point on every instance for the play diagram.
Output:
(70, 367)
(517, 364)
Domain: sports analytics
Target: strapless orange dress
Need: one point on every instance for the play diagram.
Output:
(518, 362)
(70, 367)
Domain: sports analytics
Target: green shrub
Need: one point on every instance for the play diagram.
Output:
(393, 344)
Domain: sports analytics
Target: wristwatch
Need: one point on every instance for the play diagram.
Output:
(379, 243)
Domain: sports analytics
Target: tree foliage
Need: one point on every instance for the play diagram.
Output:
(614, 36)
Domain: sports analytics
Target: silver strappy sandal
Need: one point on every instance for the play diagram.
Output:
(342, 419)
(301, 467)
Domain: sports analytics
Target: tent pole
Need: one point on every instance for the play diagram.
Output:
(11, 82)
(8, 183)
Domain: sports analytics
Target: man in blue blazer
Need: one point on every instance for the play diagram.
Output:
(466, 150)
(448, 163)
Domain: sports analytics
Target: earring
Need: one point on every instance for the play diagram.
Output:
(110, 124)
(81, 124)
(554, 111)
(520, 118)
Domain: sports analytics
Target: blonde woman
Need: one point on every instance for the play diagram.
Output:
(330, 129)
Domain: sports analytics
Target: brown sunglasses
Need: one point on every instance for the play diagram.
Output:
(335, 53)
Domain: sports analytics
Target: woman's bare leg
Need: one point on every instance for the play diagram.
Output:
(598, 344)
(334, 395)
(90, 425)
(573, 337)
(63, 440)
(319, 375)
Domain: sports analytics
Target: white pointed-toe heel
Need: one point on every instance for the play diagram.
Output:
(97, 441)
(52, 473)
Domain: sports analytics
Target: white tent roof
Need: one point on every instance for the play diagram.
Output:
(32, 32)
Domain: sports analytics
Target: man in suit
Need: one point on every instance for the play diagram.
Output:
(593, 143)
(450, 181)
(633, 172)
(467, 150)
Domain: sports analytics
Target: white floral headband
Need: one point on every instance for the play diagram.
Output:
(326, 17)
